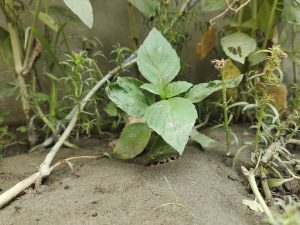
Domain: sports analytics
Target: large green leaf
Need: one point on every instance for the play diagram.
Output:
(147, 7)
(291, 14)
(212, 5)
(157, 60)
(63, 15)
(203, 90)
(133, 140)
(160, 150)
(173, 120)
(128, 96)
(83, 9)
(176, 88)
(238, 46)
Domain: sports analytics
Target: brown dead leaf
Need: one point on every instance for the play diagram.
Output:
(207, 43)
(279, 96)
(230, 71)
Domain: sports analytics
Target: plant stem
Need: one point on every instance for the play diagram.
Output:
(265, 186)
(240, 16)
(31, 36)
(133, 27)
(270, 23)
(251, 179)
(294, 51)
(17, 56)
(53, 100)
(254, 17)
(225, 112)
(44, 118)
(260, 116)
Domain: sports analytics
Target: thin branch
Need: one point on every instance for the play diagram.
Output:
(230, 7)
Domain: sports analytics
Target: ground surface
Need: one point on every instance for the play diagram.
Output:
(107, 191)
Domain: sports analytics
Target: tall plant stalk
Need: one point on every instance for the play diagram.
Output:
(254, 17)
(294, 51)
(29, 45)
(270, 25)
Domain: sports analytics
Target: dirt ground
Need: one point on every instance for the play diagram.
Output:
(198, 188)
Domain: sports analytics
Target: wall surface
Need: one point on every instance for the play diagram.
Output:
(111, 27)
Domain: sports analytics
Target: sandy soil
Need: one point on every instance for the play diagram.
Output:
(196, 189)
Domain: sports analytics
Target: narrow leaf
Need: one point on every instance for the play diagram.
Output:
(206, 142)
(203, 90)
(277, 182)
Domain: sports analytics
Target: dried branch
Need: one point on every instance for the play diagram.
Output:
(230, 8)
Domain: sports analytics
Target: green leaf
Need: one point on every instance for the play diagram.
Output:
(212, 5)
(128, 96)
(48, 20)
(173, 120)
(133, 140)
(232, 83)
(160, 150)
(152, 88)
(206, 142)
(22, 129)
(157, 60)
(238, 46)
(171, 90)
(291, 14)
(176, 88)
(63, 15)
(257, 57)
(83, 9)
(277, 182)
(40, 97)
(111, 109)
(147, 7)
(203, 90)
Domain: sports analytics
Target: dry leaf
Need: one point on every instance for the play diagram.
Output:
(279, 96)
(230, 71)
(207, 43)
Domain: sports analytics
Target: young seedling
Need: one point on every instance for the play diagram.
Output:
(174, 115)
